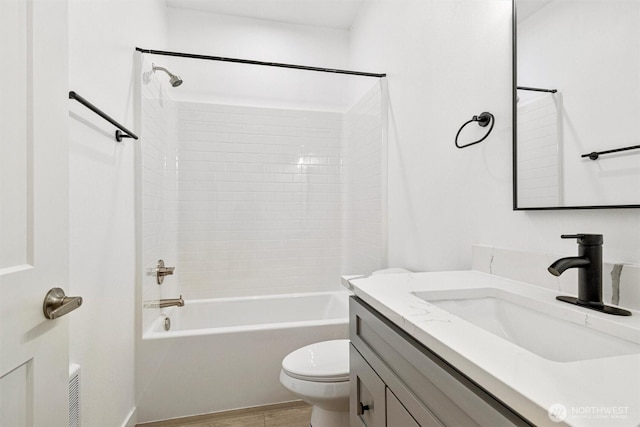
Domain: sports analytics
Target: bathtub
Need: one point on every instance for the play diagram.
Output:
(226, 353)
(235, 315)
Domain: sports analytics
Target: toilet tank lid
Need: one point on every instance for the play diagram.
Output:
(321, 361)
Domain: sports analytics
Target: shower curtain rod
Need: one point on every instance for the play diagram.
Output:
(252, 62)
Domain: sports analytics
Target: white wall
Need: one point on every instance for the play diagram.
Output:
(239, 37)
(448, 61)
(102, 38)
(221, 35)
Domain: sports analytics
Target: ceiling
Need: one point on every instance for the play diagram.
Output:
(324, 13)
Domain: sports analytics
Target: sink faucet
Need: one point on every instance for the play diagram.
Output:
(163, 303)
(589, 263)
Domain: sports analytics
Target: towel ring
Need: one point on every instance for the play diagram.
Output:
(483, 120)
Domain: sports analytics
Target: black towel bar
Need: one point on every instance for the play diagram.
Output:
(536, 89)
(594, 155)
(122, 131)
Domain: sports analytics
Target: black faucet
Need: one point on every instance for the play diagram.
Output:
(589, 263)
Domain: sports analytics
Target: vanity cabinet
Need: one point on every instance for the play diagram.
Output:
(397, 415)
(398, 382)
(367, 398)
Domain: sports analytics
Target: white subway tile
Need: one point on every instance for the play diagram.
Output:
(259, 202)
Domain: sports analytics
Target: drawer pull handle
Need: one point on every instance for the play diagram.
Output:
(362, 407)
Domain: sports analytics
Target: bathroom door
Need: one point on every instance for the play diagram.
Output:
(34, 351)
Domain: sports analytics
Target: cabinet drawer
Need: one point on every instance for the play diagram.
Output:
(367, 397)
(397, 415)
(428, 387)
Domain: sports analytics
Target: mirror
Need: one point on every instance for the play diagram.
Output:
(576, 106)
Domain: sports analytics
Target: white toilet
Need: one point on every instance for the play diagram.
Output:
(319, 375)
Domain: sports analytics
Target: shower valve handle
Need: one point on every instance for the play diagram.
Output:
(160, 271)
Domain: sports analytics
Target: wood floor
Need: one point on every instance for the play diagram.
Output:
(290, 414)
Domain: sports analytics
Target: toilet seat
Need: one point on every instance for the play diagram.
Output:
(326, 361)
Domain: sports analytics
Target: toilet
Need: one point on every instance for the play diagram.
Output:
(319, 374)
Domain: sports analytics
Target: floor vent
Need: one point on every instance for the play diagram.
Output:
(74, 395)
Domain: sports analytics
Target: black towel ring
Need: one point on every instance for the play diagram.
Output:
(483, 120)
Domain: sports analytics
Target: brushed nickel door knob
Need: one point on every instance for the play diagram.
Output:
(57, 304)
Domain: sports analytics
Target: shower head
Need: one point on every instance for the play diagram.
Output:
(173, 79)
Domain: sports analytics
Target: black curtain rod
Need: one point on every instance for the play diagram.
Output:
(536, 89)
(595, 154)
(252, 62)
(119, 135)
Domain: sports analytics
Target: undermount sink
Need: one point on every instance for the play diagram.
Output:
(547, 330)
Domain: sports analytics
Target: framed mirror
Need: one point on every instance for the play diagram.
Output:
(576, 104)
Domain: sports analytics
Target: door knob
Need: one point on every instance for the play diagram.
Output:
(57, 304)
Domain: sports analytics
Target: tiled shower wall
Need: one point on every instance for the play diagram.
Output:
(366, 179)
(254, 201)
(158, 191)
(259, 200)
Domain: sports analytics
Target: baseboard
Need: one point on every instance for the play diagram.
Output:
(132, 419)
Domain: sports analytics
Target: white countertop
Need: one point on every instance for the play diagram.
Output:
(597, 392)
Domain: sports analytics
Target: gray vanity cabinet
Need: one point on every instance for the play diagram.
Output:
(372, 403)
(398, 382)
(397, 415)
(367, 400)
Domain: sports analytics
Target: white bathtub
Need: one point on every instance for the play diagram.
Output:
(233, 315)
(226, 353)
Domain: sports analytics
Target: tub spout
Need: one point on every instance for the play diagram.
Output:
(179, 302)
